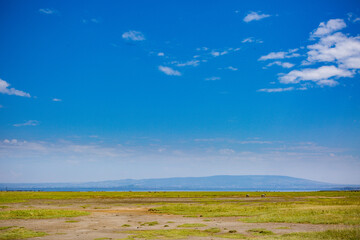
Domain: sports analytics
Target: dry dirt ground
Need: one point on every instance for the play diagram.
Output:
(107, 217)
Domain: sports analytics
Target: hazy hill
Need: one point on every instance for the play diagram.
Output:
(225, 182)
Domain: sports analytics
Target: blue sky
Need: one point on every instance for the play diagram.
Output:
(101, 90)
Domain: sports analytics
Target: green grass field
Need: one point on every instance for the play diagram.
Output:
(40, 214)
(12, 197)
(201, 210)
(7, 233)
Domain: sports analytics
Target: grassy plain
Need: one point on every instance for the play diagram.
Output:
(180, 215)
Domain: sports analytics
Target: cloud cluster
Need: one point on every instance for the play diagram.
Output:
(133, 36)
(255, 16)
(337, 48)
(334, 55)
(205, 55)
(4, 88)
(326, 28)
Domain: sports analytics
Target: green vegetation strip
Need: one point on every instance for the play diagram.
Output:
(7, 233)
(40, 214)
(12, 197)
(180, 234)
(346, 234)
(166, 234)
(310, 210)
(260, 231)
(190, 225)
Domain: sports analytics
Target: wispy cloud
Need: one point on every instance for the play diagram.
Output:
(212, 78)
(47, 11)
(251, 40)
(217, 53)
(12, 141)
(133, 36)
(91, 20)
(193, 63)
(232, 68)
(27, 123)
(291, 53)
(272, 90)
(252, 156)
(281, 64)
(226, 151)
(255, 16)
(169, 71)
(4, 88)
(161, 54)
(57, 99)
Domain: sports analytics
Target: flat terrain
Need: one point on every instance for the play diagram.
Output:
(179, 215)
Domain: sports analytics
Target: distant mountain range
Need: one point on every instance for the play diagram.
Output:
(213, 183)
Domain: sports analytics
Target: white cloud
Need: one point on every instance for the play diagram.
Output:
(4, 88)
(255, 16)
(47, 11)
(356, 20)
(56, 99)
(219, 53)
(280, 55)
(251, 40)
(169, 71)
(92, 20)
(248, 40)
(339, 48)
(193, 63)
(27, 123)
(232, 68)
(215, 54)
(281, 64)
(133, 35)
(271, 90)
(331, 26)
(202, 49)
(13, 141)
(320, 75)
(336, 54)
(161, 54)
(212, 78)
